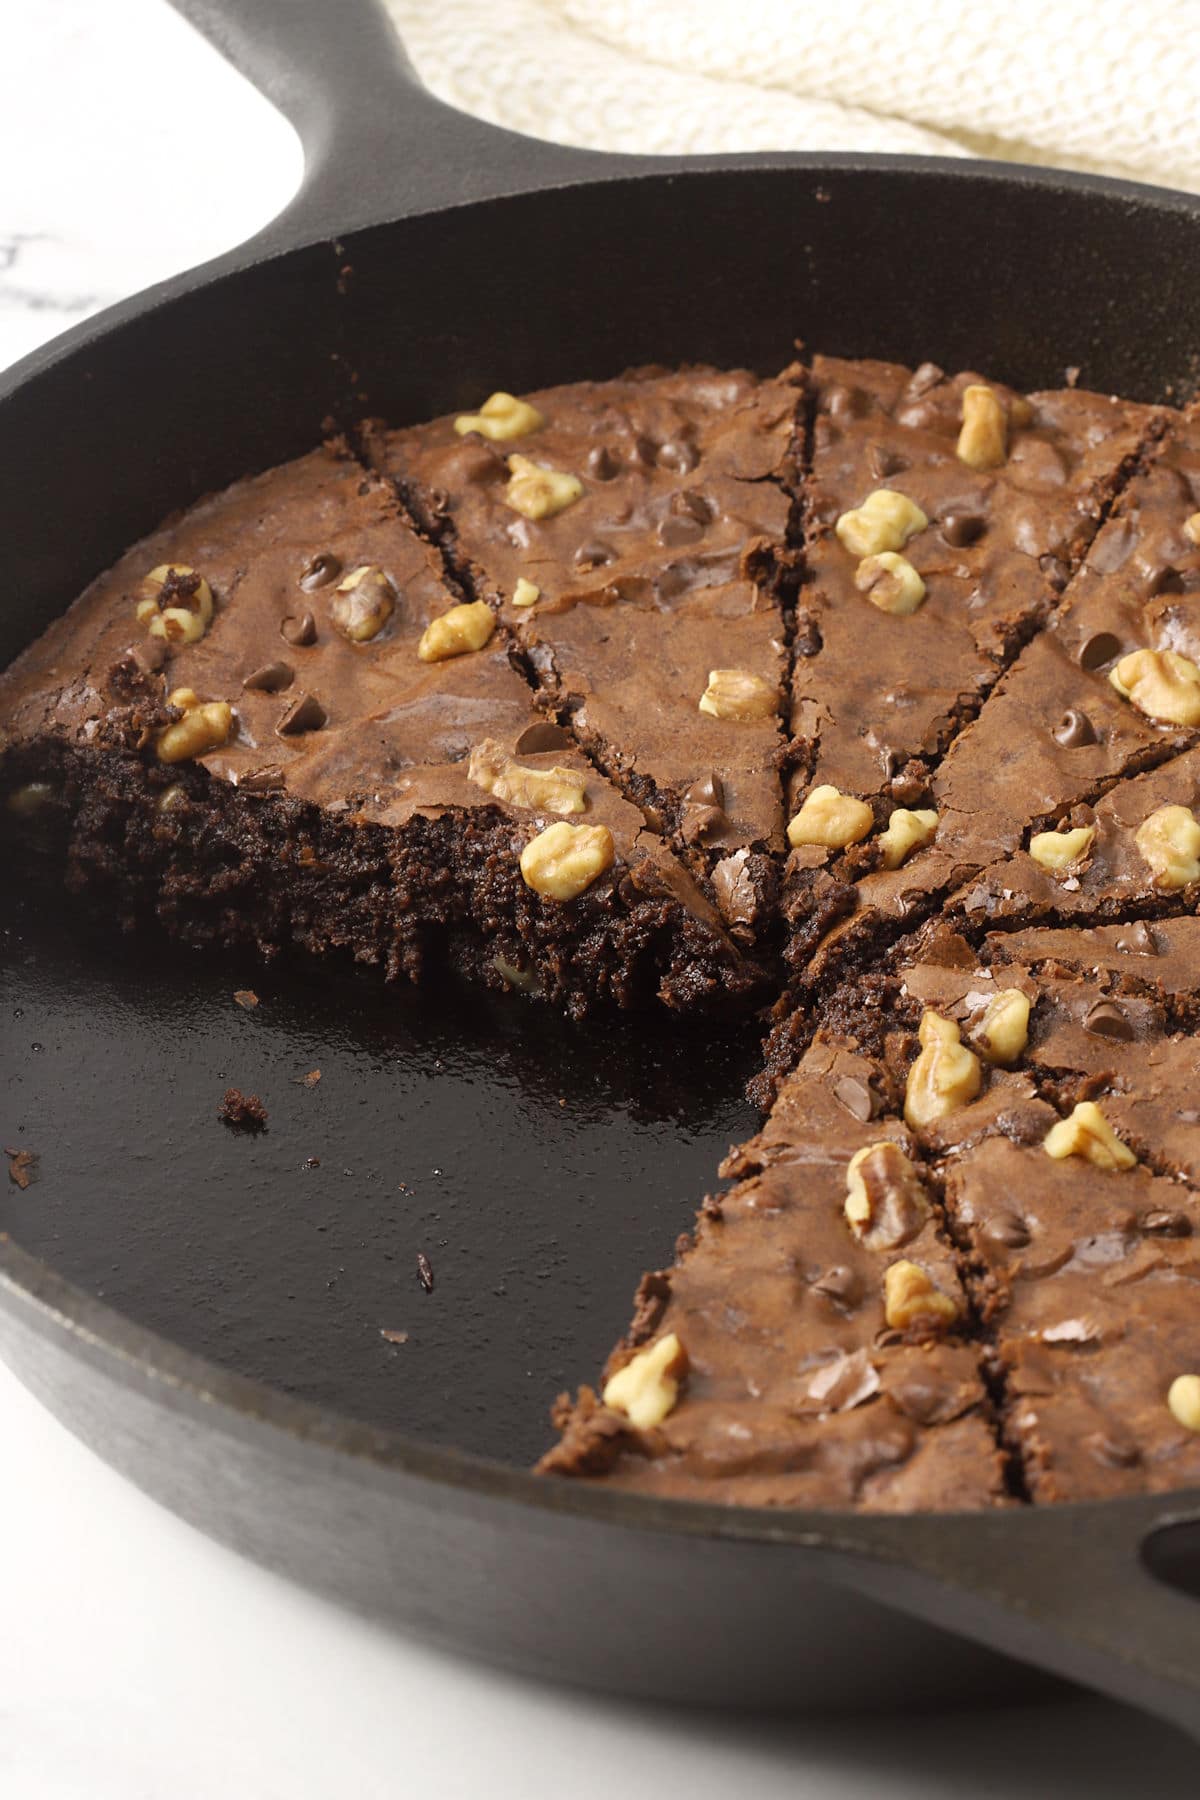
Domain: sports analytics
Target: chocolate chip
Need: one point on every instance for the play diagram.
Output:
(706, 790)
(1106, 1019)
(261, 781)
(1164, 1223)
(320, 571)
(1099, 649)
(594, 555)
(839, 1284)
(962, 528)
(1056, 571)
(857, 1097)
(1008, 1229)
(842, 402)
(601, 464)
(675, 531)
(1074, 730)
(882, 461)
(304, 714)
(299, 630)
(272, 678)
(645, 452)
(1139, 939)
(678, 455)
(545, 735)
(1163, 580)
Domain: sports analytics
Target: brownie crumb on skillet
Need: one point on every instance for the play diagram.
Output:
(243, 1110)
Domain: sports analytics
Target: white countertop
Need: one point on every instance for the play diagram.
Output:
(138, 1661)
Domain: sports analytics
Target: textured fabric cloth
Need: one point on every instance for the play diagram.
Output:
(1080, 84)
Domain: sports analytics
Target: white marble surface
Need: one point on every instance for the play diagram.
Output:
(137, 1660)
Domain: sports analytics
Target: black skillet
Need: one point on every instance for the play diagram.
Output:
(205, 1309)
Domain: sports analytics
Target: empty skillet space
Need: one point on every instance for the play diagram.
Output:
(539, 1165)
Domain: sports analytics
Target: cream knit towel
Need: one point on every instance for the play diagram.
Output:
(1099, 85)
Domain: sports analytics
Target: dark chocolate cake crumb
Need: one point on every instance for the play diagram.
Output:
(244, 1112)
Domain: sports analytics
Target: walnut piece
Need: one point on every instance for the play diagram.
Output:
(1087, 1133)
(831, 819)
(1169, 840)
(554, 790)
(1003, 1031)
(646, 1389)
(891, 583)
(501, 416)
(885, 521)
(1191, 528)
(944, 1076)
(885, 1203)
(188, 612)
(737, 694)
(363, 602)
(454, 633)
(982, 442)
(1055, 851)
(906, 831)
(526, 593)
(1183, 1398)
(205, 725)
(910, 1299)
(538, 493)
(1160, 683)
(561, 862)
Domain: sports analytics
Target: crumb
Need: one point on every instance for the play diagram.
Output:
(394, 1337)
(246, 997)
(312, 1162)
(425, 1271)
(245, 1110)
(311, 1079)
(21, 1164)
(1072, 374)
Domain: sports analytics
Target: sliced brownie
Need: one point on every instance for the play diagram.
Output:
(632, 535)
(810, 1345)
(272, 721)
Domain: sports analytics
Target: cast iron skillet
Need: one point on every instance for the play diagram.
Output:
(427, 260)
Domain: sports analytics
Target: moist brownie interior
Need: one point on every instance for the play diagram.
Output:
(865, 697)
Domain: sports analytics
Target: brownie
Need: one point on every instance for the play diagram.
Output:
(363, 798)
(664, 563)
(797, 1392)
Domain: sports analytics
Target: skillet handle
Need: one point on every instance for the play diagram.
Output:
(377, 144)
(1107, 1595)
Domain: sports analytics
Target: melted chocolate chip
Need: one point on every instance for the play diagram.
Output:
(304, 714)
(644, 453)
(857, 1097)
(674, 531)
(706, 790)
(1113, 1448)
(962, 528)
(1099, 649)
(545, 735)
(883, 461)
(1074, 730)
(839, 1284)
(700, 822)
(601, 464)
(1056, 571)
(272, 678)
(1106, 1019)
(1165, 1223)
(320, 571)
(1008, 1229)
(678, 455)
(594, 555)
(1139, 939)
(261, 781)
(299, 630)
